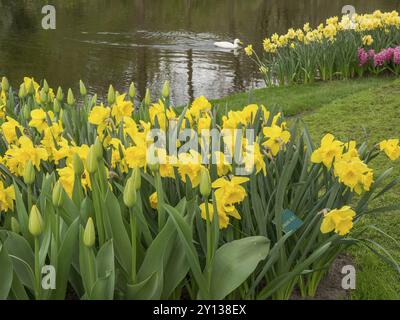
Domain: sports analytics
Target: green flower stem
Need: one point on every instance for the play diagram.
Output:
(134, 246)
(37, 270)
(29, 197)
(209, 244)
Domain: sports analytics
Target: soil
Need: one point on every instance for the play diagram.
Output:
(330, 287)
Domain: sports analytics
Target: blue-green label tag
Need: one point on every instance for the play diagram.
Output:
(290, 222)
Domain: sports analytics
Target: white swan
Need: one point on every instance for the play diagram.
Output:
(228, 45)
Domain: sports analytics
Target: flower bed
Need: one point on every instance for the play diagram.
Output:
(149, 203)
(338, 49)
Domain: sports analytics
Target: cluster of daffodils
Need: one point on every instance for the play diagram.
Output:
(360, 23)
(329, 50)
(127, 195)
(39, 137)
(345, 162)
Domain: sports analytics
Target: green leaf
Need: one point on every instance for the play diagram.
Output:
(185, 234)
(122, 244)
(148, 289)
(103, 288)
(6, 273)
(21, 211)
(22, 257)
(64, 261)
(234, 262)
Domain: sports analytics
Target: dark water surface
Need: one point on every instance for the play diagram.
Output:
(149, 41)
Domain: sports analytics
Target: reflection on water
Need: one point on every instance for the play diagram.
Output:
(149, 41)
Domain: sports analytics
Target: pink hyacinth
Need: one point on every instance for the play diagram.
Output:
(385, 56)
(362, 57)
(396, 55)
(371, 53)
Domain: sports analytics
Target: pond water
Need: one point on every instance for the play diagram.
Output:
(149, 41)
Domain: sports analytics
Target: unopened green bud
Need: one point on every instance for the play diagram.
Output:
(137, 177)
(15, 227)
(70, 97)
(43, 96)
(77, 164)
(26, 112)
(22, 91)
(132, 90)
(91, 160)
(29, 173)
(130, 196)
(82, 88)
(205, 182)
(5, 85)
(56, 106)
(94, 99)
(166, 89)
(45, 86)
(111, 95)
(57, 195)
(99, 148)
(89, 235)
(35, 223)
(60, 94)
(147, 97)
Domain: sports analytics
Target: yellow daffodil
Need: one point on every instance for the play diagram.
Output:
(121, 108)
(391, 148)
(277, 138)
(249, 50)
(338, 220)
(18, 156)
(189, 164)
(328, 151)
(9, 129)
(367, 40)
(7, 198)
(199, 106)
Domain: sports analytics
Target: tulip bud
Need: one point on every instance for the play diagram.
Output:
(5, 86)
(22, 91)
(15, 227)
(91, 160)
(132, 90)
(94, 99)
(35, 223)
(57, 195)
(205, 182)
(31, 88)
(70, 97)
(166, 89)
(56, 106)
(89, 235)
(111, 95)
(45, 86)
(82, 88)
(77, 164)
(26, 112)
(43, 96)
(130, 193)
(60, 94)
(29, 173)
(137, 177)
(147, 97)
(99, 148)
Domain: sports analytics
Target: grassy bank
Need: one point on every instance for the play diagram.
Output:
(356, 109)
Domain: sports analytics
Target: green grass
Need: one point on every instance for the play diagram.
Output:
(367, 109)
